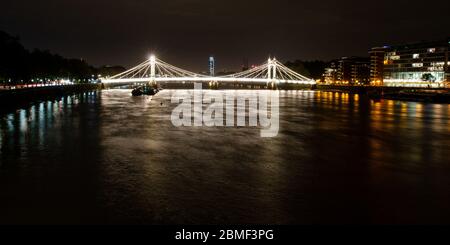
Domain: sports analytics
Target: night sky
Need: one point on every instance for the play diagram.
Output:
(186, 32)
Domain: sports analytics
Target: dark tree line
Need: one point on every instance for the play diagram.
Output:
(312, 69)
(18, 65)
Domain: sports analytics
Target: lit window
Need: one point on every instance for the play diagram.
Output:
(431, 50)
(437, 68)
(437, 64)
(417, 64)
(415, 56)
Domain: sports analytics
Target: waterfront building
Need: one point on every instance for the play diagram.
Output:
(348, 70)
(423, 64)
(360, 71)
(330, 73)
(376, 65)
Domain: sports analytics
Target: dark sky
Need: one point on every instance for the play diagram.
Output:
(186, 32)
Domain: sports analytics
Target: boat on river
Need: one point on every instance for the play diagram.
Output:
(145, 90)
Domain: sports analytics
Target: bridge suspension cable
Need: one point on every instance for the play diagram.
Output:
(155, 70)
(160, 68)
(267, 69)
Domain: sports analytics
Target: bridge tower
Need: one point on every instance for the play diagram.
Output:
(274, 69)
(271, 72)
(271, 69)
(152, 68)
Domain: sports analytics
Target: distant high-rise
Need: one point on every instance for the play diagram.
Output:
(245, 64)
(211, 66)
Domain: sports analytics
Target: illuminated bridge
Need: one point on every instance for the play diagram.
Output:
(155, 70)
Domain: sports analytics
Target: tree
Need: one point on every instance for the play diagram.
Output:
(18, 64)
(13, 61)
(428, 77)
(312, 69)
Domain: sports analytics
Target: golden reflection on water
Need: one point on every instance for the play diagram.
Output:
(329, 142)
(419, 124)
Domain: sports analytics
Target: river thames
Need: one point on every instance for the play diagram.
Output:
(107, 157)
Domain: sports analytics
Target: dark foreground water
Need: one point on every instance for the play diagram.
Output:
(107, 157)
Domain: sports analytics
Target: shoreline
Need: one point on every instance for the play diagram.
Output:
(426, 95)
(16, 98)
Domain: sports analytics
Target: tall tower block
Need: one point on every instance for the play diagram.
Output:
(211, 66)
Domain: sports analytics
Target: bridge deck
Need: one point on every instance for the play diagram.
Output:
(206, 79)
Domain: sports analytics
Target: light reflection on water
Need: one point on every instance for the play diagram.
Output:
(108, 157)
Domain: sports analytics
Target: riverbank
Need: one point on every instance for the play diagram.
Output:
(434, 95)
(17, 97)
(21, 97)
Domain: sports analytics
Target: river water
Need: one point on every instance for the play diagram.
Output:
(108, 157)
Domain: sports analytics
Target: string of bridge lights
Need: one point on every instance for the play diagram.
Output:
(156, 70)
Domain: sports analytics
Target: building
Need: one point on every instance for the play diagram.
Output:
(343, 73)
(330, 73)
(417, 64)
(360, 71)
(376, 65)
(348, 70)
(211, 66)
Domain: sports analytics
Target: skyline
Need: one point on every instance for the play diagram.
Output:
(192, 30)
